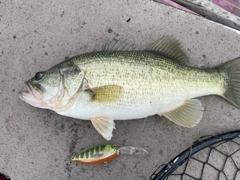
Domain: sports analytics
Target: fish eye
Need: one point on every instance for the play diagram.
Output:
(114, 146)
(38, 75)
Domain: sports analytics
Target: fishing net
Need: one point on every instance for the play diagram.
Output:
(215, 157)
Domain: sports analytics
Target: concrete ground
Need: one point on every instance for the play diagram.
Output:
(36, 144)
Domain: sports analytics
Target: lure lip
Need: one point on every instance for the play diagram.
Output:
(132, 150)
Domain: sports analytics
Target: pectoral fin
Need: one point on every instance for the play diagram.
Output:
(104, 125)
(106, 93)
(187, 115)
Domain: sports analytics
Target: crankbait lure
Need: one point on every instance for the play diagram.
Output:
(105, 153)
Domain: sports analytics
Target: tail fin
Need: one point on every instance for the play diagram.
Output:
(232, 78)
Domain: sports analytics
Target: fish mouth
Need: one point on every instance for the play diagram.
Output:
(32, 95)
(27, 93)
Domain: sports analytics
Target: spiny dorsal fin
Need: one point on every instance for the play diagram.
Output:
(104, 125)
(188, 114)
(118, 45)
(169, 47)
(107, 93)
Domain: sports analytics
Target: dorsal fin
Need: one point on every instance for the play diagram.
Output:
(118, 45)
(169, 47)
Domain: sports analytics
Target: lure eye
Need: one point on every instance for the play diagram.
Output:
(38, 75)
(114, 146)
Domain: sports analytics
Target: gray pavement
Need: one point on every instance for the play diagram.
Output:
(36, 144)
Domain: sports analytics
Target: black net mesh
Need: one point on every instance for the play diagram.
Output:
(220, 161)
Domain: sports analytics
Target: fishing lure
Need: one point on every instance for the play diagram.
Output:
(105, 153)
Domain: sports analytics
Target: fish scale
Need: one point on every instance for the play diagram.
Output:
(170, 77)
(121, 84)
(153, 94)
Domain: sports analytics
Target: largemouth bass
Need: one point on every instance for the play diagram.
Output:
(120, 83)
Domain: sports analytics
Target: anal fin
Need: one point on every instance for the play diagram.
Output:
(188, 114)
(104, 125)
